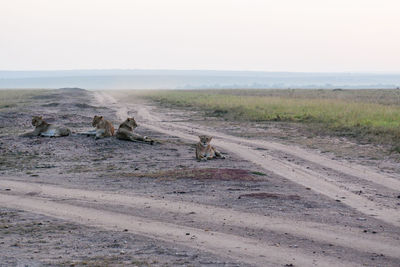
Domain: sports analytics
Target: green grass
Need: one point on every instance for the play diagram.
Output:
(371, 114)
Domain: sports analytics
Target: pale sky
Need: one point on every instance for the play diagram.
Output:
(269, 35)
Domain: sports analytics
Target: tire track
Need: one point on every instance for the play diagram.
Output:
(355, 170)
(242, 249)
(318, 182)
(337, 235)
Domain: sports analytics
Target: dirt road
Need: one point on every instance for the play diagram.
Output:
(320, 182)
(257, 236)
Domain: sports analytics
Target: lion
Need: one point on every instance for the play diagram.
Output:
(204, 151)
(125, 132)
(104, 128)
(42, 128)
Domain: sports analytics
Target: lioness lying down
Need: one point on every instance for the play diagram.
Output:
(205, 151)
(43, 128)
(104, 128)
(125, 132)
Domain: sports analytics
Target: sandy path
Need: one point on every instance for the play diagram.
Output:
(356, 170)
(104, 99)
(340, 236)
(359, 171)
(252, 251)
(318, 182)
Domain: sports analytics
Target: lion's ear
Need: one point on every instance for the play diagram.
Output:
(128, 119)
(101, 117)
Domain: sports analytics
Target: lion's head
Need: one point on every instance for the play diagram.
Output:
(96, 120)
(130, 122)
(205, 140)
(37, 120)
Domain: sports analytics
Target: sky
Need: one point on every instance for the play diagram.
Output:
(266, 35)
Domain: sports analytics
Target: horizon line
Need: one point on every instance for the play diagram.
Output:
(211, 70)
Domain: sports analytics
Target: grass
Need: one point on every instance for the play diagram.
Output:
(373, 115)
(13, 98)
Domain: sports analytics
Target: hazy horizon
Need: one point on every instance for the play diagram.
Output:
(358, 36)
(201, 70)
(194, 79)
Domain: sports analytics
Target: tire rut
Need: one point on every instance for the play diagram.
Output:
(317, 182)
(242, 249)
(340, 236)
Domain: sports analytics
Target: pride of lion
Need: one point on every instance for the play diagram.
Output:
(104, 128)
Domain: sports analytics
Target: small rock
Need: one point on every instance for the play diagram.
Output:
(125, 230)
(361, 219)
(187, 233)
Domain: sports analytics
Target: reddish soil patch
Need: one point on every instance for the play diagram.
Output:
(271, 195)
(199, 174)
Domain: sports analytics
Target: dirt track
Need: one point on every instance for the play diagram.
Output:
(243, 235)
(320, 182)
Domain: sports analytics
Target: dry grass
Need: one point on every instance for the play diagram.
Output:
(14, 98)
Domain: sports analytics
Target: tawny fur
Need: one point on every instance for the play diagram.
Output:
(104, 128)
(204, 150)
(42, 128)
(125, 132)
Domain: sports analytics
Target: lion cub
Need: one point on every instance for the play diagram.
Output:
(205, 151)
(43, 128)
(125, 132)
(104, 128)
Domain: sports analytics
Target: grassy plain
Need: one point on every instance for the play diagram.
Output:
(372, 115)
(17, 97)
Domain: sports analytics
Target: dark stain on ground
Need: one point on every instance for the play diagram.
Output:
(264, 195)
(198, 174)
